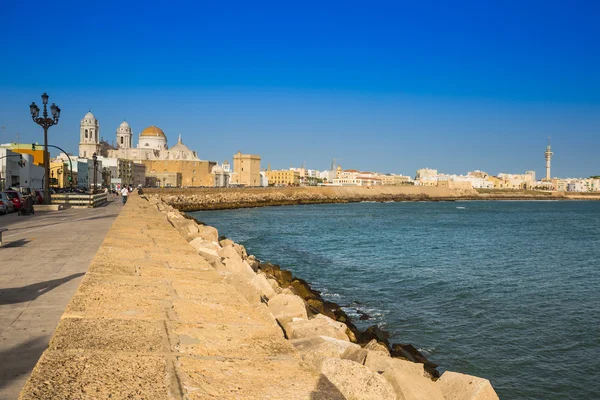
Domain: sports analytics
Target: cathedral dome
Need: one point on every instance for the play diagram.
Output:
(180, 146)
(124, 124)
(89, 115)
(181, 152)
(153, 131)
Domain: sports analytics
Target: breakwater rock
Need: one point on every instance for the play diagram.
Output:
(195, 199)
(358, 364)
(227, 198)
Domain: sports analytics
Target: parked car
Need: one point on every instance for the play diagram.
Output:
(6, 206)
(15, 197)
(40, 196)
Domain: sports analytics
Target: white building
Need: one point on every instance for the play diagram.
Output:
(221, 176)
(577, 186)
(19, 170)
(327, 176)
(264, 180)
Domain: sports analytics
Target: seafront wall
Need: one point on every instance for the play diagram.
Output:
(193, 199)
(169, 311)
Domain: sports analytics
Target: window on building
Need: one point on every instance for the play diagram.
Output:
(86, 134)
(121, 139)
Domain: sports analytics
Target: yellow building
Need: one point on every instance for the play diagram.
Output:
(193, 173)
(283, 177)
(497, 182)
(38, 153)
(246, 168)
(59, 174)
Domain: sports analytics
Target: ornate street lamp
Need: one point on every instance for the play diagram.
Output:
(45, 122)
(95, 158)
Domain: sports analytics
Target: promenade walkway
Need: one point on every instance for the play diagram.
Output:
(42, 262)
(153, 320)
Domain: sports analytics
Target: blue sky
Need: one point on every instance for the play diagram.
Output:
(385, 86)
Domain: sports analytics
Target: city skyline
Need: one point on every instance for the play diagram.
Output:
(444, 91)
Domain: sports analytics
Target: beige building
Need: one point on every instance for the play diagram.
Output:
(283, 177)
(163, 179)
(246, 168)
(394, 180)
(353, 177)
(426, 173)
(192, 173)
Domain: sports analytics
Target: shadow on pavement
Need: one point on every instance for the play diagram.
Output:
(31, 292)
(16, 243)
(20, 360)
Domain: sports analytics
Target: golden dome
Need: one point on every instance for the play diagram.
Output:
(152, 131)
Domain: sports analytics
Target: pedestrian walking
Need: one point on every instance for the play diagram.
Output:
(124, 194)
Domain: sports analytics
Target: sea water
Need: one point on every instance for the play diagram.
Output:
(509, 291)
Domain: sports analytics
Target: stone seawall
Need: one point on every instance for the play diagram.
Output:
(167, 311)
(193, 199)
(225, 198)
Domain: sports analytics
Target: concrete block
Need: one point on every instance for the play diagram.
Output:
(208, 233)
(374, 345)
(407, 378)
(73, 375)
(355, 381)
(287, 306)
(457, 386)
(320, 325)
(234, 379)
(228, 252)
(205, 247)
(262, 285)
(315, 350)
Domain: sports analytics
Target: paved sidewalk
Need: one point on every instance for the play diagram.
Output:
(41, 265)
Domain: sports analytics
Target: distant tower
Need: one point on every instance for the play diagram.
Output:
(89, 136)
(548, 153)
(226, 167)
(124, 136)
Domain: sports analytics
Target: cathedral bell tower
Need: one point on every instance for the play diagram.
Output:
(124, 136)
(89, 136)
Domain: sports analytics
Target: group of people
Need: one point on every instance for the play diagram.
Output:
(124, 191)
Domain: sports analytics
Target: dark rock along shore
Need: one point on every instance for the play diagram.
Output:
(318, 305)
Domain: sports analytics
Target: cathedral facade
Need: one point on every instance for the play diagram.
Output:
(152, 150)
(152, 143)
